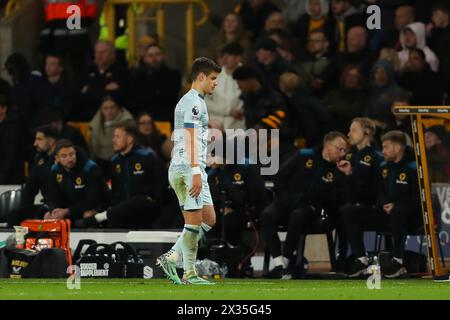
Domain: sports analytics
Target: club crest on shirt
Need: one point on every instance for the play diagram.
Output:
(118, 168)
(237, 179)
(328, 177)
(41, 162)
(138, 168)
(366, 161)
(309, 163)
(79, 183)
(402, 178)
(59, 178)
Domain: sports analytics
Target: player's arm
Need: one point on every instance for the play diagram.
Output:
(190, 134)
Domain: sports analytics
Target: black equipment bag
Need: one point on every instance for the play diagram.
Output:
(23, 263)
(134, 264)
(101, 261)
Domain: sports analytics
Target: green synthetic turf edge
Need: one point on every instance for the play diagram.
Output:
(228, 289)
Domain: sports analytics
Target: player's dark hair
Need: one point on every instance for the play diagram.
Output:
(63, 143)
(232, 49)
(395, 136)
(203, 65)
(49, 131)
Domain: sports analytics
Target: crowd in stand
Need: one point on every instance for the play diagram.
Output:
(311, 69)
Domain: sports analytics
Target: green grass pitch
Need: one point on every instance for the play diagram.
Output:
(228, 289)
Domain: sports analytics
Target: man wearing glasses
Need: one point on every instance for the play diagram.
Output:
(306, 199)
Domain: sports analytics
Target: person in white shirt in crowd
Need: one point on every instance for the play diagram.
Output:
(414, 36)
(225, 105)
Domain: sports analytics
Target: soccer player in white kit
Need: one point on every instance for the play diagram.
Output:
(187, 174)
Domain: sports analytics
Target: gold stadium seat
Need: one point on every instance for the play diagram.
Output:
(165, 127)
(83, 127)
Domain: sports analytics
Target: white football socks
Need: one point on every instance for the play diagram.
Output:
(177, 251)
(189, 245)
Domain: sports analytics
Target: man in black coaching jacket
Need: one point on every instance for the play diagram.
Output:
(138, 183)
(305, 187)
(77, 185)
(361, 169)
(397, 208)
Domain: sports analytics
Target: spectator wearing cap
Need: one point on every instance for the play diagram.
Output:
(438, 155)
(269, 62)
(12, 141)
(38, 180)
(259, 99)
(225, 105)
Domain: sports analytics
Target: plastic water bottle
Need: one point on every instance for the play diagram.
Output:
(223, 271)
(375, 268)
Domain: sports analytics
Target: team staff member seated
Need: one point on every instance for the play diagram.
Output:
(77, 186)
(138, 183)
(39, 177)
(306, 184)
(238, 190)
(396, 210)
(361, 169)
(362, 163)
